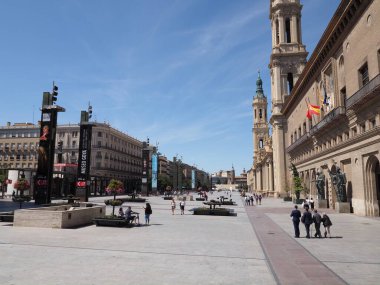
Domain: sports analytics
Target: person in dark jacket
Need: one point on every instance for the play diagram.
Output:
(317, 219)
(296, 215)
(148, 212)
(327, 224)
(307, 220)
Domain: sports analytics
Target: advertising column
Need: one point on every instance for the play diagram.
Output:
(193, 179)
(154, 172)
(45, 151)
(84, 162)
(145, 170)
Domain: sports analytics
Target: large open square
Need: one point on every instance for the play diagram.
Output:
(254, 247)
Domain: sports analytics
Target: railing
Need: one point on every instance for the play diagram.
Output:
(333, 115)
(298, 142)
(363, 92)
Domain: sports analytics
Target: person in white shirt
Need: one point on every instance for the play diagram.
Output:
(173, 206)
(182, 206)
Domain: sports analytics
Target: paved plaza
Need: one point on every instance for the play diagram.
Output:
(255, 247)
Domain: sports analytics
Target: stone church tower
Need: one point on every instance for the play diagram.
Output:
(260, 123)
(287, 61)
(262, 169)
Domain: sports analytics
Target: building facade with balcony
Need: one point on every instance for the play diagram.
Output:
(18, 146)
(342, 76)
(114, 154)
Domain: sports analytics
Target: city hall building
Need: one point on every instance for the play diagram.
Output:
(339, 88)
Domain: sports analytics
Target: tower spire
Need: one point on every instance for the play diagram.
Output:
(259, 87)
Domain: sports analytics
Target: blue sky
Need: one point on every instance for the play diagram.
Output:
(180, 72)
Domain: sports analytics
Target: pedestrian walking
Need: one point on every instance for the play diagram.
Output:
(317, 219)
(311, 202)
(251, 200)
(148, 212)
(260, 197)
(326, 224)
(173, 206)
(307, 220)
(182, 206)
(296, 215)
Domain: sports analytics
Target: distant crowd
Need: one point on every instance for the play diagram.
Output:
(250, 200)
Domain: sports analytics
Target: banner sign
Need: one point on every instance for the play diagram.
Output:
(193, 179)
(154, 170)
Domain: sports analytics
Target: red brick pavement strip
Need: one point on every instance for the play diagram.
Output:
(290, 262)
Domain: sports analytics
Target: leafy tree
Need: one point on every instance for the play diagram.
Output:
(163, 181)
(297, 181)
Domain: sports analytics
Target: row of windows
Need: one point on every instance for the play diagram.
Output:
(18, 146)
(19, 135)
(340, 138)
(363, 78)
(30, 156)
(19, 165)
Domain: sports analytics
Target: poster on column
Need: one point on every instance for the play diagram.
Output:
(154, 171)
(193, 179)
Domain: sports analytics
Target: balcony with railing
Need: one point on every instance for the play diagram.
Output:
(302, 140)
(332, 118)
(364, 94)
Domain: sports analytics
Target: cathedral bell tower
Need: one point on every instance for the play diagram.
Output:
(260, 123)
(287, 61)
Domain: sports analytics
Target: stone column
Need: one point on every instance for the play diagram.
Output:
(294, 28)
(281, 25)
(270, 175)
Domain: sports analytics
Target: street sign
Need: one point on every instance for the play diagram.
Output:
(81, 184)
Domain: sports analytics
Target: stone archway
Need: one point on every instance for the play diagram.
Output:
(371, 186)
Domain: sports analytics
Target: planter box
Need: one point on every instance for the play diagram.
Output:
(110, 222)
(288, 199)
(298, 201)
(135, 200)
(168, 197)
(230, 203)
(6, 217)
(61, 217)
(199, 199)
(214, 212)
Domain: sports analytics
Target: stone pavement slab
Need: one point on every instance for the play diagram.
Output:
(353, 252)
(174, 249)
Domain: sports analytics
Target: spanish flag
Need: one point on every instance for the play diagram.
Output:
(312, 110)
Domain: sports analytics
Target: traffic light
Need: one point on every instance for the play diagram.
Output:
(54, 93)
(89, 112)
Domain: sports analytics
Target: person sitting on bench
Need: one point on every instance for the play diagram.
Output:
(128, 215)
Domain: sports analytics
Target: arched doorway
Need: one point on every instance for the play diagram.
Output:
(372, 185)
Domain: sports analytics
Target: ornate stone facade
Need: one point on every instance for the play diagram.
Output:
(342, 77)
(260, 176)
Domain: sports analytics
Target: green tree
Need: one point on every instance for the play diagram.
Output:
(163, 181)
(297, 181)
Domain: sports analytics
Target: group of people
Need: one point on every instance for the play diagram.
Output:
(308, 218)
(182, 205)
(249, 200)
(133, 217)
(309, 202)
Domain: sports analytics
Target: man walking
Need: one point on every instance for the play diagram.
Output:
(296, 215)
(307, 220)
(317, 219)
